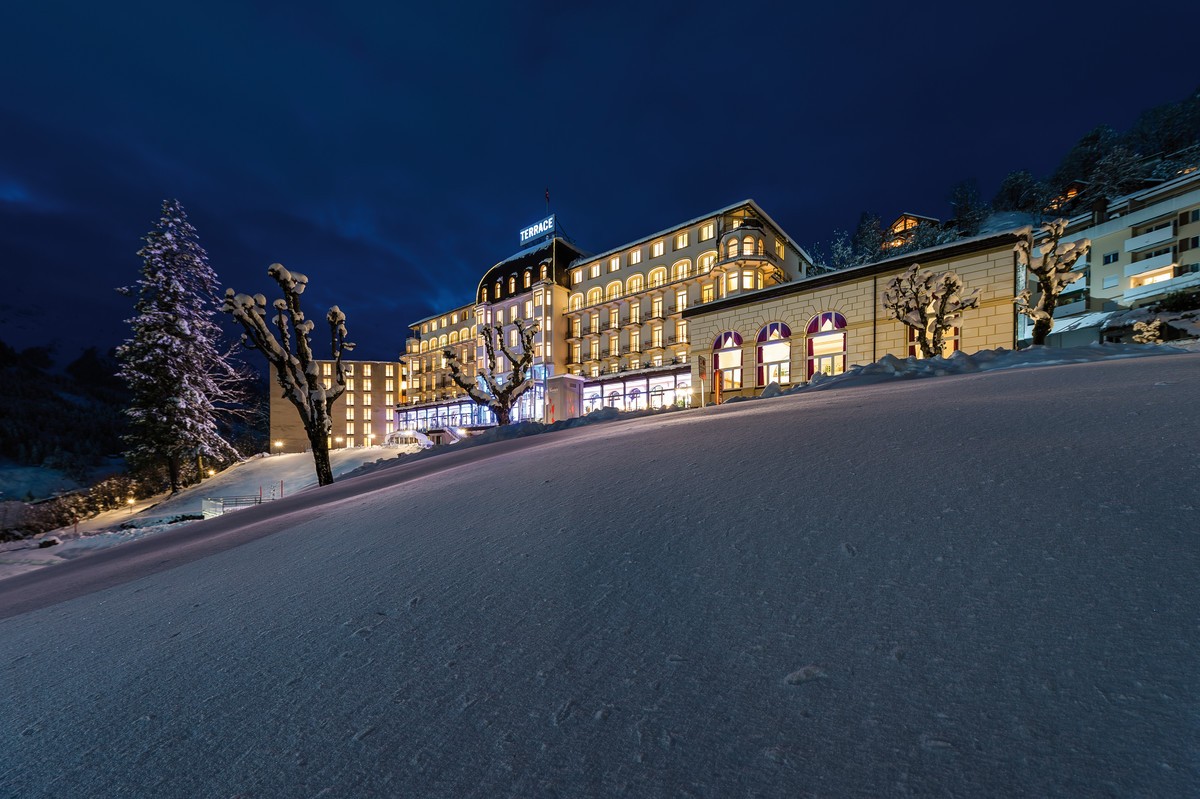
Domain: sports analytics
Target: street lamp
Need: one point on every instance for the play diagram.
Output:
(279, 446)
(130, 502)
(339, 441)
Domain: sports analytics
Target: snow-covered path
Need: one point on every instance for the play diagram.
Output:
(876, 591)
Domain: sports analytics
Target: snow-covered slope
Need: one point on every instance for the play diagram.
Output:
(981, 585)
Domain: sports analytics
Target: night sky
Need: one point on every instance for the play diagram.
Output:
(392, 151)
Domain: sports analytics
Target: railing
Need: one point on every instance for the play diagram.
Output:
(1150, 239)
(216, 506)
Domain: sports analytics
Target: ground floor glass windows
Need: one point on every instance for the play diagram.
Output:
(826, 344)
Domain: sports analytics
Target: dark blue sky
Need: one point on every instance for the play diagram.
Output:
(392, 152)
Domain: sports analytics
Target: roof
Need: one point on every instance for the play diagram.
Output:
(941, 251)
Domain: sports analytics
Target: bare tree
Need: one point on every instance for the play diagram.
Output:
(1053, 267)
(292, 357)
(928, 303)
(498, 396)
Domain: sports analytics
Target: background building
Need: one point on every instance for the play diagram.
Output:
(362, 415)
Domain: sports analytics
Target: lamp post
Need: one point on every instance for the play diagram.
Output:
(279, 447)
(129, 501)
(340, 441)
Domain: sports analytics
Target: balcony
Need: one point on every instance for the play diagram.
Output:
(1147, 240)
(631, 349)
(632, 321)
(1074, 288)
(1150, 291)
(1070, 308)
(655, 344)
(1149, 264)
(673, 340)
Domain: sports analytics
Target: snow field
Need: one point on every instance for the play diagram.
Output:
(955, 587)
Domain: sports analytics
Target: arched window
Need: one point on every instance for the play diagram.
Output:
(443, 341)
(774, 354)
(594, 295)
(512, 285)
(657, 397)
(613, 290)
(637, 402)
(544, 268)
(826, 344)
(681, 269)
(748, 245)
(614, 399)
(528, 278)
(497, 289)
(658, 277)
(731, 249)
(424, 346)
(727, 361)
(453, 336)
(705, 262)
(634, 284)
(483, 297)
(576, 302)
(591, 402)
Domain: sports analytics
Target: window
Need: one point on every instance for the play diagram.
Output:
(349, 383)
(826, 344)
(707, 231)
(389, 385)
(950, 342)
(594, 270)
(366, 384)
(706, 293)
(350, 413)
(575, 353)
(681, 299)
(366, 400)
(656, 249)
(656, 340)
(575, 303)
(349, 428)
(528, 280)
(656, 308)
(705, 262)
(727, 361)
(576, 327)
(366, 371)
(576, 277)
(731, 281)
(681, 332)
(366, 414)
(613, 290)
(635, 312)
(614, 263)
(594, 350)
(545, 269)
(635, 284)
(512, 285)
(681, 240)
(389, 370)
(512, 314)
(327, 369)
(389, 399)
(635, 256)
(614, 345)
(658, 277)
(528, 309)
(614, 318)
(514, 338)
(750, 280)
(774, 354)
(748, 246)
(779, 249)
(635, 341)
(681, 270)
(1111, 257)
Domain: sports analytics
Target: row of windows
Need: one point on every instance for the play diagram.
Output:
(389, 370)
(633, 257)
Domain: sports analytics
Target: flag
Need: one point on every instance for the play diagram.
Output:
(547, 195)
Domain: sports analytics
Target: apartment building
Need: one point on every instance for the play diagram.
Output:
(1145, 245)
(362, 415)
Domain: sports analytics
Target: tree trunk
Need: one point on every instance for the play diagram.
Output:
(1041, 329)
(320, 451)
(173, 473)
(502, 414)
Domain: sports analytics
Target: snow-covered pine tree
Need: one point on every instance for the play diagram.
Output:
(291, 355)
(172, 364)
(928, 303)
(500, 395)
(1053, 267)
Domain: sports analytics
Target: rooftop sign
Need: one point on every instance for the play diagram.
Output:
(538, 229)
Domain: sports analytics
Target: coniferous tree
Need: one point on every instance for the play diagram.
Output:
(969, 209)
(172, 364)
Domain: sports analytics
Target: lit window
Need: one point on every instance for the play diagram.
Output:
(731, 281)
(350, 413)
(681, 270)
(950, 342)
(681, 332)
(779, 249)
(727, 361)
(327, 369)
(576, 276)
(366, 384)
(635, 284)
(707, 231)
(681, 240)
(656, 308)
(512, 314)
(614, 263)
(528, 309)
(614, 346)
(635, 256)
(388, 399)
(705, 262)
(614, 317)
(389, 370)
(731, 249)
(594, 270)
(774, 354)
(656, 249)
(826, 344)
(528, 278)
(656, 339)
(366, 400)
(349, 383)
(349, 428)
(681, 298)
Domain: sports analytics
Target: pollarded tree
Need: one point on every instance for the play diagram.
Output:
(1053, 266)
(928, 303)
(291, 355)
(172, 366)
(499, 396)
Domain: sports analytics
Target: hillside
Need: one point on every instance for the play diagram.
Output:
(977, 585)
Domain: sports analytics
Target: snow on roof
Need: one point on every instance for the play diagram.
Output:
(1083, 321)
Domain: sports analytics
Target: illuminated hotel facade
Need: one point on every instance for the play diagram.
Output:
(362, 416)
